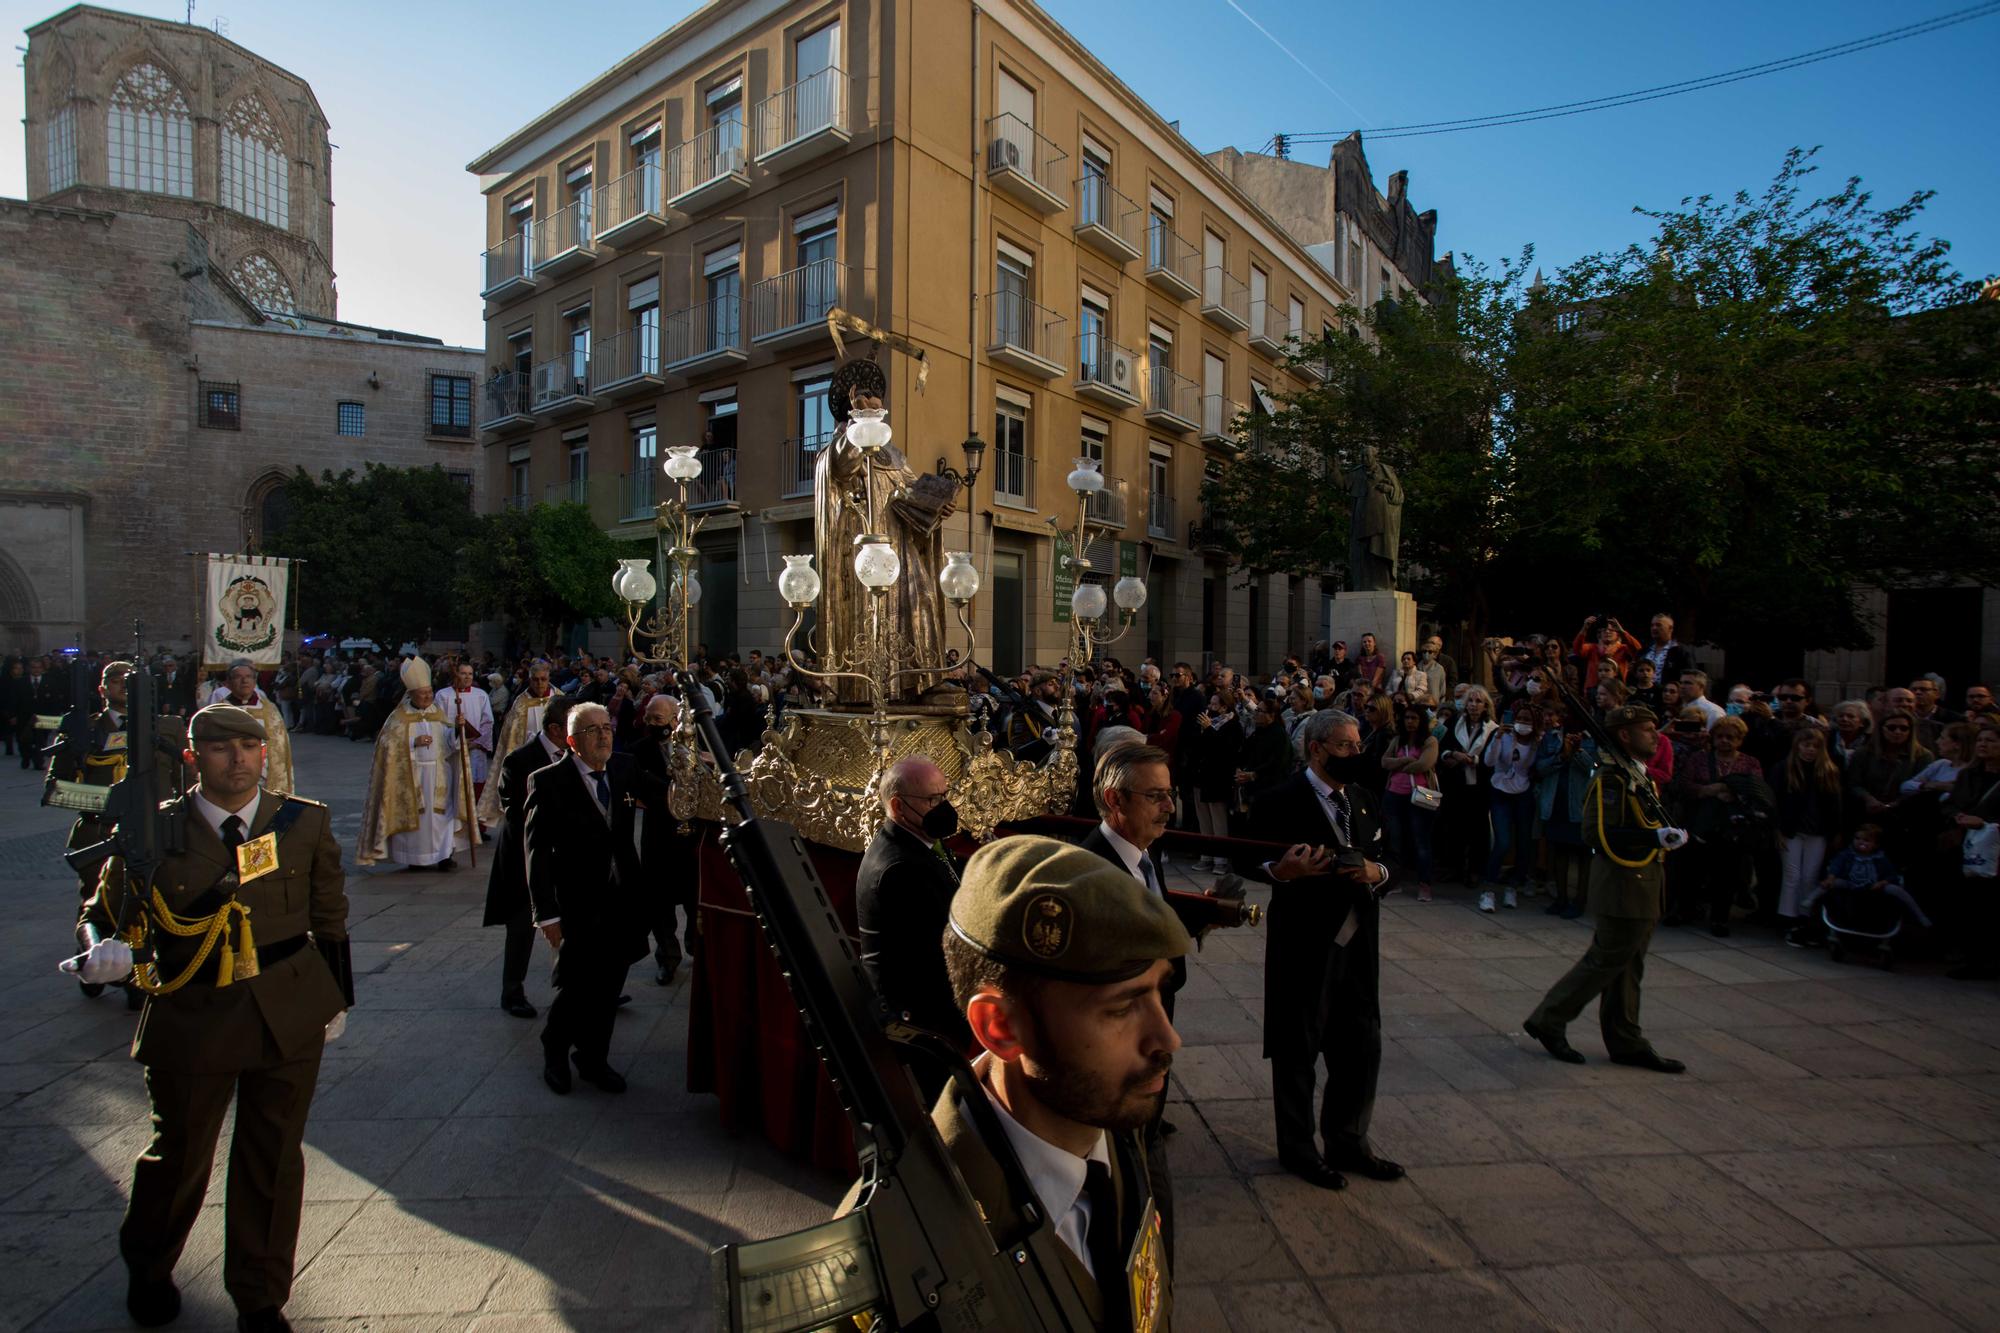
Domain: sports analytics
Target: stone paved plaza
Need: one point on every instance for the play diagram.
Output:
(1831, 1159)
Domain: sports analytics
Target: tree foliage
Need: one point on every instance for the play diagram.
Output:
(542, 568)
(378, 549)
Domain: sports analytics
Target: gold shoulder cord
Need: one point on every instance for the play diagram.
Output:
(1597, 799)
(114, 762)
(232, 965)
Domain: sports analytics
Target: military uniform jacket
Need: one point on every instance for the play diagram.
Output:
(104, 741)
(279, 1015)
(1628, 875)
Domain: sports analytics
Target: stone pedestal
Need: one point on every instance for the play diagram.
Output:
(1390, 616)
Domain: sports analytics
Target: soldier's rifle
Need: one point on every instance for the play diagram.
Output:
(915, 1252)
(1611, 752)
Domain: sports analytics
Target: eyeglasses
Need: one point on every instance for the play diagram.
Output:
(931, 797)
(592, 731)
(1789, 698)
(1161, 796)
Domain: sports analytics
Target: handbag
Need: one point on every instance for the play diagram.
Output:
(1980, 856)
(1423, 795)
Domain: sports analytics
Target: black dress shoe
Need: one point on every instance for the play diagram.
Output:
(152, 1304)
(1315, 1170)
(663, 975)
(601, 1076)
(446, 866)
(1369, 1165)
(270, 1319)
(517, 1005)
(557, 1077)
(1554, 1043)
(1650, 1059)
(624, 1000)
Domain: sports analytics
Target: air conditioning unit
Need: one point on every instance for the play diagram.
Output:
(1003, 153)
(729, 162)
(1122, 374)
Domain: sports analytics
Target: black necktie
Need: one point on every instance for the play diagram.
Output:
(232, 833)
(603, 788)
(1102, 1240)
(1151, 876)
(1338, 800)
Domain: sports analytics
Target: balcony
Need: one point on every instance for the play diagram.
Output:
(509, 268)
(1160, 516)
(510, 406)
(1106, 508)
(1024, 164)
(1269, 329)
(704, 337)
(627, 365)
(637, 495)
(1224, 300)
(799, 457)
(1211, 532)
(564, 241)
(1219, 418)
(1314, 369)
(1170, 262)
(708, 168)
(1106, 220)
(791, 308)
(1106, 372)
(802, 122)
(715, 488)
(633, 208)
(523, 501)
(1172, 400)
(562, 388)
(1024, 335)
(575, 491)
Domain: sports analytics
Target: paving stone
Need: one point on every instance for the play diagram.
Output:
(1438, 1129)
(1685, 1206)
(1369, 1227)
(1805, 1290)
(1513, 1212)
(1961, 1280)
(1852, 1198)
(1571, 1124)
(1627, 1296)
(1468, 1299)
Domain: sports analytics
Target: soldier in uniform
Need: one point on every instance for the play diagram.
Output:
(1627, 886)
(95, 758)
(1060, 962)
(250, 978)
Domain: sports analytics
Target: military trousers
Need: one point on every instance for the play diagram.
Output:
(266, 1182)
(1612, 968)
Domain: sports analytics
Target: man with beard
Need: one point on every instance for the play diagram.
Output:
(1059, 962)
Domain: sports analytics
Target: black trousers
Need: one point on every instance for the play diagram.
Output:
(514, 955)
(1350, 1042)
(588, 977)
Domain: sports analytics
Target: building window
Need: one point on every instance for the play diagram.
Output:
(1011, 474)
(576, 448)
(582, 202)
(264, 285)
(1295, 319)
(463, 480)
(62, 149)
(1385, 285)
(1091, 443)
(1260, 296)
(517, 484)
(722, 277)
(221, 406)
(645, 465)
(1355, 282)
(578, 332)
(351, 419)
(256, 174)
(1093, 197)
(451, 405)
(1159, 227)
(725, 130)
(1093, 324)
(1159, 491)
(1011, 298)
(817, 237)
(642, 301)
(149, 134)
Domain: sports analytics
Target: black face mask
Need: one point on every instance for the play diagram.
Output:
(941, 821)
(1345, 768)
(658, 731)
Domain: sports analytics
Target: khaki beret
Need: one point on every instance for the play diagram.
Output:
(1630, 715)
(220, 722)
(1061, 911)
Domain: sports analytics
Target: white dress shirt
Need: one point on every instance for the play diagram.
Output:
(1057, 1174)
(1133, 859)
(215, 814)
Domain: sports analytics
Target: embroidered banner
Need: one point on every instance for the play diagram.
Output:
(244, 609)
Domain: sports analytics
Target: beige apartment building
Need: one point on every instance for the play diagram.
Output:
(666, 243)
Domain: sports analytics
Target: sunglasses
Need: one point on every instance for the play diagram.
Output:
(1789, 698)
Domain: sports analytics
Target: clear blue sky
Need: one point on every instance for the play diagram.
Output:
(415, 89)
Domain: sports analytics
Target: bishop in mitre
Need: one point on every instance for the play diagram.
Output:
(523, 724)
(241, 689)
(410, 816)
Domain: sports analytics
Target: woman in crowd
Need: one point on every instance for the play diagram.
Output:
(1218, 739)
(1564, 765)
(1510, 766)
(1937, 779)
(1852, 723)
(1266, 757)
(1808, 791)
(1878, 771)
(1165, 733)
(1411, 762)
(1724, 825)
(1371, 666)
(1975, 803)
(1464, 817)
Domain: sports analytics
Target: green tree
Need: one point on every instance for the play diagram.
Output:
(378, 549)
(542, 568)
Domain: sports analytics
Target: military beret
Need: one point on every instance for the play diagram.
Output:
(1061, 911)
(1630, 715)
(220, 722)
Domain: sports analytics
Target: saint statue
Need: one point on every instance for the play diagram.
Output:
(909, 509)
(1375, 526)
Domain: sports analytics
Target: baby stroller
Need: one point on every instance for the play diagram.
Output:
(1861, 919)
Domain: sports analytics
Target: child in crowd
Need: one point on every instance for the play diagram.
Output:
(1861, 867)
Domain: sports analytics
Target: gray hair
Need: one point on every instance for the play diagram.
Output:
(243, 664)
(1861, 705)
(1115, 765)
(1111, 738)
(903, 777)
(1698, 679)
(1319, 728)
(1479, 692)
(579, 712)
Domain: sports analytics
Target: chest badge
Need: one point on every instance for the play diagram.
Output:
(256, 858)
(1146, 1272)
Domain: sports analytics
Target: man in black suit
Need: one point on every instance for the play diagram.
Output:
(588, 893)
(507, 883)
(668, 855)
(1322, 965)
(902, 900)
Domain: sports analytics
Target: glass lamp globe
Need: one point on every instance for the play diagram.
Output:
(1087, 476)
(877, 565)
(868, 428)
(688, 586)
(958, 580)
(1129, 592)
(1087, 602)
(799, 583)
(683, 462)
(634, 581)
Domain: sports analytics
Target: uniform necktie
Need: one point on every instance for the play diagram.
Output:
(1107, 1263)
(603, 788)
(1338, 800)
(1150, 875)
(232, 833)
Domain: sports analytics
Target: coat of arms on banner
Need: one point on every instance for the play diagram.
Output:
(246, 619)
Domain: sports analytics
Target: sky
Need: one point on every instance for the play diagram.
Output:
(415, 89)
